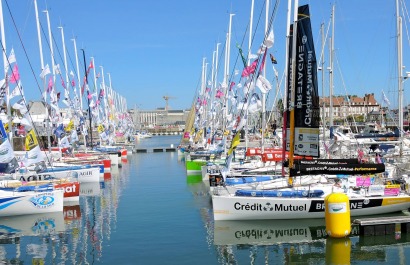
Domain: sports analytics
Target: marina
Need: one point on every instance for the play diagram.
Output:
(272, 161)
(151, 205)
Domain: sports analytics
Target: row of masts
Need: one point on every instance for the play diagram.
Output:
(227, 74)
(116, 104)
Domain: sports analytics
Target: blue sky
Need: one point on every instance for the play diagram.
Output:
(155, 48)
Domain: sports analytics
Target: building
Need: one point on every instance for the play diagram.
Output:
(158, 118)
(346, 107)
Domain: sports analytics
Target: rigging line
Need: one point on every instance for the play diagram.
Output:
(31, 67)
(344, 87)
(24, 48)
(405, 12)
(52, 55)
(61, 58)
(26, 106)
(254, 76)
(322, 50)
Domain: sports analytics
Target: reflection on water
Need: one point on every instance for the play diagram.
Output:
(302, 241)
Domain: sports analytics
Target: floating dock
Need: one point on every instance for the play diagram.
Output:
(156, 150)
(383, 225)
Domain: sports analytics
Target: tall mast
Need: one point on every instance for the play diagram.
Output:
(65, 59)
(95, 77)
(400, 66)
(95, 85)
(250, 31)
(78, 76)
(39, 35)
(105, 93)
(227, 59)
(50, 37)
(88, 92)
(292, 96)
(53, 71)
(285, 100)
(6, 67)
(331, 54)
(216, 65)
(264, 74)
(322, 32)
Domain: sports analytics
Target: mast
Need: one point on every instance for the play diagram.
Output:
(264, 74)
(95, 86)
(331, 54)
(322, 32)
(112, 95)
(400, 67)
(105, 93)
(286, 76)
(78, 76)
(53, 72)
(6, 67)
(248, 63)
(88, 92)
(304, 104)
(44, 79)
(65, 59)
(39, 35)
(226, 72)
(292, 92)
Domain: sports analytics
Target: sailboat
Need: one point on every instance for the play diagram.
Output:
(369, 193)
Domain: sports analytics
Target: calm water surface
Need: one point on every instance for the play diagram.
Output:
(150, 212)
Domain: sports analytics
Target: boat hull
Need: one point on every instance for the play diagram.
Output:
(194, 167)
(227, 207)
(86, 174)
(22, 203)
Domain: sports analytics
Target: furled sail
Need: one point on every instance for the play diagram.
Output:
(306, 97)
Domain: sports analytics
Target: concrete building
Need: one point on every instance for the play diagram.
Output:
(158, 118)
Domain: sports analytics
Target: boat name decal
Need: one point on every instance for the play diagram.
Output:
(43, 200)
(36, 177)
(319, 206)
(86, 173)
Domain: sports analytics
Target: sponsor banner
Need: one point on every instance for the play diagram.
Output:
(303, 89)
(347, 169)
(326, 161)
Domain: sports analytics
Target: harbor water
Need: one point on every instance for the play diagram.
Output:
(150, 212)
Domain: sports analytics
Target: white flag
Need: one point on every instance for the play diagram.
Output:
(57, 69)
(385, 99)
(26, 121)
(17, 91)
(45, 72)
(64, 142)
(12, 57)
(74, 136)
(269, 40)
(6, 151)
(33, 156)
(263, 84)
(21, 104)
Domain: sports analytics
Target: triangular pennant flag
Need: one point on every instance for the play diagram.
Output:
(15, 75)
(12, 57)
(45, 72)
